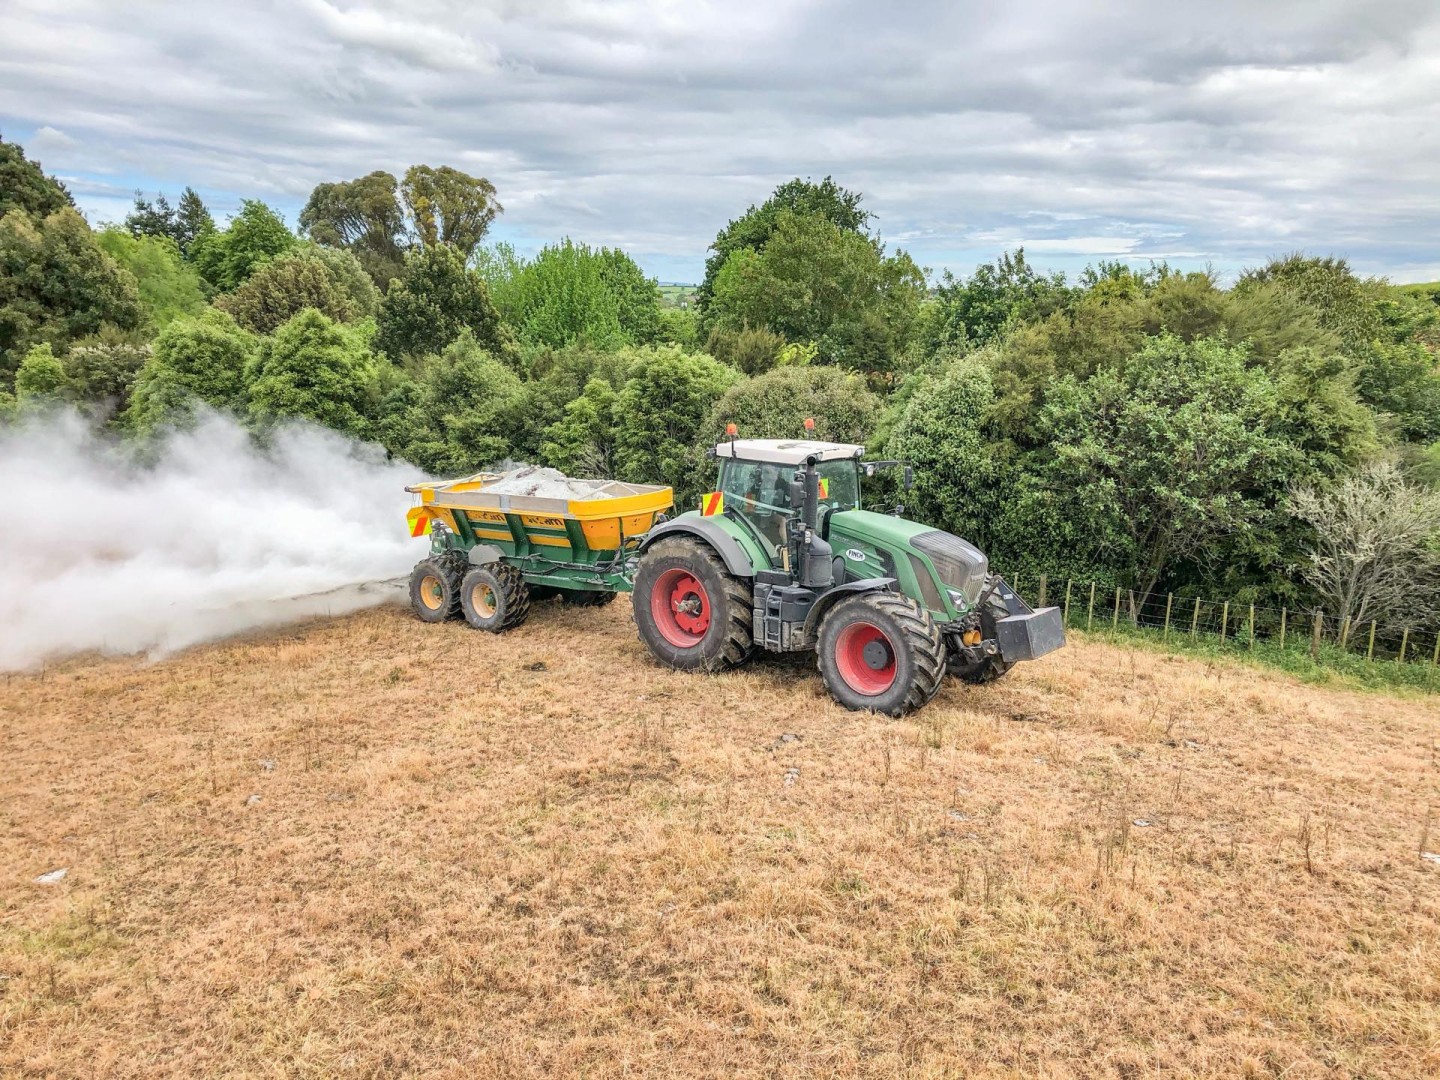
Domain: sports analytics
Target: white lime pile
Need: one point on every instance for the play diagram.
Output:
(545, 483)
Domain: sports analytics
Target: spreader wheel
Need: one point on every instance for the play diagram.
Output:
(690, 611)
(435, 586)
(494, 597)
(882, 652)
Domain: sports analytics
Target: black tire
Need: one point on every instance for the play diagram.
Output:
(987, 670)
(881, 652)
(713, 632)
(494, 597)
(435, 586)
(586, 597)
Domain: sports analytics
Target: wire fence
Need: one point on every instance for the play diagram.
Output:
(1177, 619)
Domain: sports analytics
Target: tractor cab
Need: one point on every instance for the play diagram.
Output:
(758, 483)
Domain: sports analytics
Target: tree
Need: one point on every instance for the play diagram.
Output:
(432, 302)
(975, 310)
(448, 206)
(25, 187)
(313, 369)
(753, 229)
(103, 370)
(1373, 553)
(1164, 455)
(40, 377)
(201, 359)
(462, 412)
(192, 220)
(168, 286)
(182, 224)
(255, 235)
(751, 349)
(774, 405)
(286, 286)
(582, 443)
(1344, 304)
(1403, 381)
(57, 285)
(380, 219)
(637, 298)
(661, 414)
(816, 282)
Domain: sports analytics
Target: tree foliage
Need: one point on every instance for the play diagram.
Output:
(203, 359)
(313, 369)
(286, 286)
(182, 224)
(25, 187)
(168, 286)
(661, 414)
(434, 300)
(380, 219)
(1373, 553)
(776, 404)
(57, 285)
(253, 237)
(753, 229)
(813, 281)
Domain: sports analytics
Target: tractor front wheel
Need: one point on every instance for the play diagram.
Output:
(494, 597)
(435, 586)
(690, 611)
(881, 652)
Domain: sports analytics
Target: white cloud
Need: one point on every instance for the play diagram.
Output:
(1233, 129)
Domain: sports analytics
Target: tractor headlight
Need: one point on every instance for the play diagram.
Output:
(958, 599)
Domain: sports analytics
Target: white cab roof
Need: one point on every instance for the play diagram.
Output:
(786, 451)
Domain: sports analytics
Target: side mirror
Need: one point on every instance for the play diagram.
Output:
(909, 477)
(797, 491)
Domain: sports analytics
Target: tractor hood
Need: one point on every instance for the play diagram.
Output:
(957, 564)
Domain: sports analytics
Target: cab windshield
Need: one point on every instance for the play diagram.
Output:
(760, 491)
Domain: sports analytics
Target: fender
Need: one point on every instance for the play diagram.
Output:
(725, 545)
(829, 599)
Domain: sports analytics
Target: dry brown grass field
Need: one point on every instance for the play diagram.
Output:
(543, 855)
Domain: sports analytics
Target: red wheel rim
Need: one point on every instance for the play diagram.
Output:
(865, 658)
(680, 607)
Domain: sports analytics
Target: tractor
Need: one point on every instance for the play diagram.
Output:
(782, 557)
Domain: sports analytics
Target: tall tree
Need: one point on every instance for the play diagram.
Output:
(169, 286)
(380, 219)
(754, 228)
(24, 186)
(192, 220)
(447, 206)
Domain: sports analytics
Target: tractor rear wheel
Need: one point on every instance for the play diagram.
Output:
(691, 612)
(435, 586)
(494, 597)
(881, 652)
(586, 597)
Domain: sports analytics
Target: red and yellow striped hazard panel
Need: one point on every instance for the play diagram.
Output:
(712, 503)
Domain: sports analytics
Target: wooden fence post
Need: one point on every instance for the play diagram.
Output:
(1065, 614)
(1435, 660)
(1169, 599)
(1315, 639)
(1115, 619)
(1345, 632)
(1090, 612)
(1404, 640)
(1370, 651)
(1224, 621)
(1283, 612)
(1252, 626)
(1041, 598)
(1195, 620)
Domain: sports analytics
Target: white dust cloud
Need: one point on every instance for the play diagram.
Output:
(210, 536)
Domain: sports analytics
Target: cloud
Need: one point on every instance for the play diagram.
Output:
(1231, 130)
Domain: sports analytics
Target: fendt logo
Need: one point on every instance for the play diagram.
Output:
(855, 555)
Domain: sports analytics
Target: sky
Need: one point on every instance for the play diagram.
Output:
(1211, 134)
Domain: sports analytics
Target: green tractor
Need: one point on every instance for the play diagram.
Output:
(781, 557)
